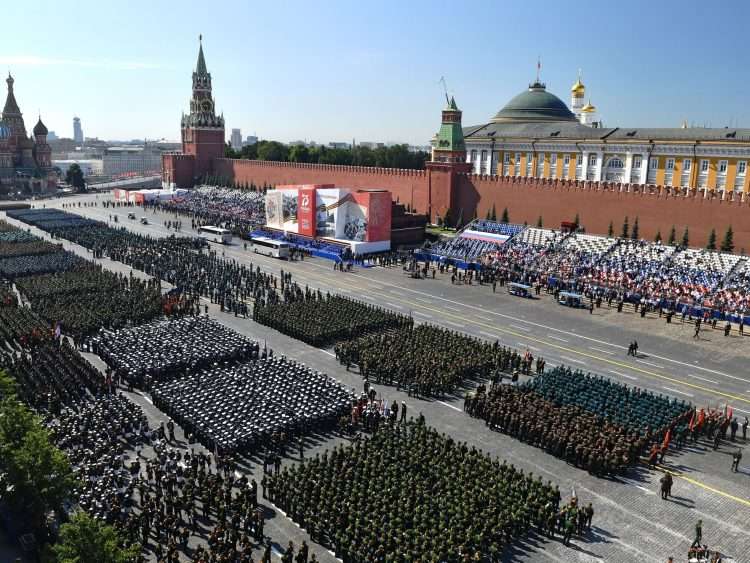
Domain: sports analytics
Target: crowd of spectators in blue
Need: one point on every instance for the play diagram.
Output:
(638, 271)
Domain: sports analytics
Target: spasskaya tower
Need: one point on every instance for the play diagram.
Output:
(202, 134)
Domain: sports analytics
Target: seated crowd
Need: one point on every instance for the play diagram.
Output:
(638, 271)
(240, 211)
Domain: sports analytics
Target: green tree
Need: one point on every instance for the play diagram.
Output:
(87, 540)
(447, 220)
(625, 233)
(494, 213)
(505, 218)
(711, 245)
(539, 222)
(299, 153)
(273, 150)
(657, 238)
(249, 152)
(635, 233)
(727, 245)
(611, 229)
(685, 238)
(672, 236)
(230, 152)
(74, 177)
(8, 386)
(38, 472)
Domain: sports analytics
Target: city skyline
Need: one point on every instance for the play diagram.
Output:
(334, 73)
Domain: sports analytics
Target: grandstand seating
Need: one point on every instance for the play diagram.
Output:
(538, 237)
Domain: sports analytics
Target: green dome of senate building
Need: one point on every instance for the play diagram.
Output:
(534, 105)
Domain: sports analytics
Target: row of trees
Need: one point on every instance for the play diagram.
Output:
(395, 156)
(727, 244)
(627, 232)
(36, 477)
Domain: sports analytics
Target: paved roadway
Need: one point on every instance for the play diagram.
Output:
(632, 524)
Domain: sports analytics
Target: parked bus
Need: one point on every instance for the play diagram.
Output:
(270, 247)
(216, 234)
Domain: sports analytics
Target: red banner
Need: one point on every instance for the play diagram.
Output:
(306, 211)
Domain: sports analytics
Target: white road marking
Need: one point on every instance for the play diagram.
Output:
(519, 327)
(702, 378)
(422, 300)
(450, 406)
(327, 352)
(528, 346)
(557, 338)
(740, 410)
(608, 352)
(569, 359)
(451, 308)
(487, 319)
(421, 314)
(459, 325)
(678, 391)
(653, 365)
(645, 490)
(489, 334)
(393, 305)
(623, 375)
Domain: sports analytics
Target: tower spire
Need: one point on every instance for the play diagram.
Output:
(11, 106)
(200, 68)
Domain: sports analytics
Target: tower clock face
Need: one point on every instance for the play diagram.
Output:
(206, 105)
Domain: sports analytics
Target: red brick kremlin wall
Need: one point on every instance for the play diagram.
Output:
(409, 186)
(597, 203)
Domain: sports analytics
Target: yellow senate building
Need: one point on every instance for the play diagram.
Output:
(537, 135)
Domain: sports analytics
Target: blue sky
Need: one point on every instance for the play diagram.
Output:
(337, 70)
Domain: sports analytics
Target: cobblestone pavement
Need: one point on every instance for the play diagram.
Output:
(631, 522)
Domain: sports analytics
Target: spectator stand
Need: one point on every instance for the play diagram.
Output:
(477, 239)
(238, 210)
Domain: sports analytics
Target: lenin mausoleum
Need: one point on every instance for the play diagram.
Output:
(537, 157)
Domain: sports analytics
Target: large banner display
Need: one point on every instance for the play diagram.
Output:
(329, 212)
(327, 202)
(275, 209)
(306, 211)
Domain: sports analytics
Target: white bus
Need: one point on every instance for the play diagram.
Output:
(216, 234)
(270, 247)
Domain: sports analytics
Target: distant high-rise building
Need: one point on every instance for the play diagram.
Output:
(77, 131)
(51, 136)
(236, 139)
(251, 140)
